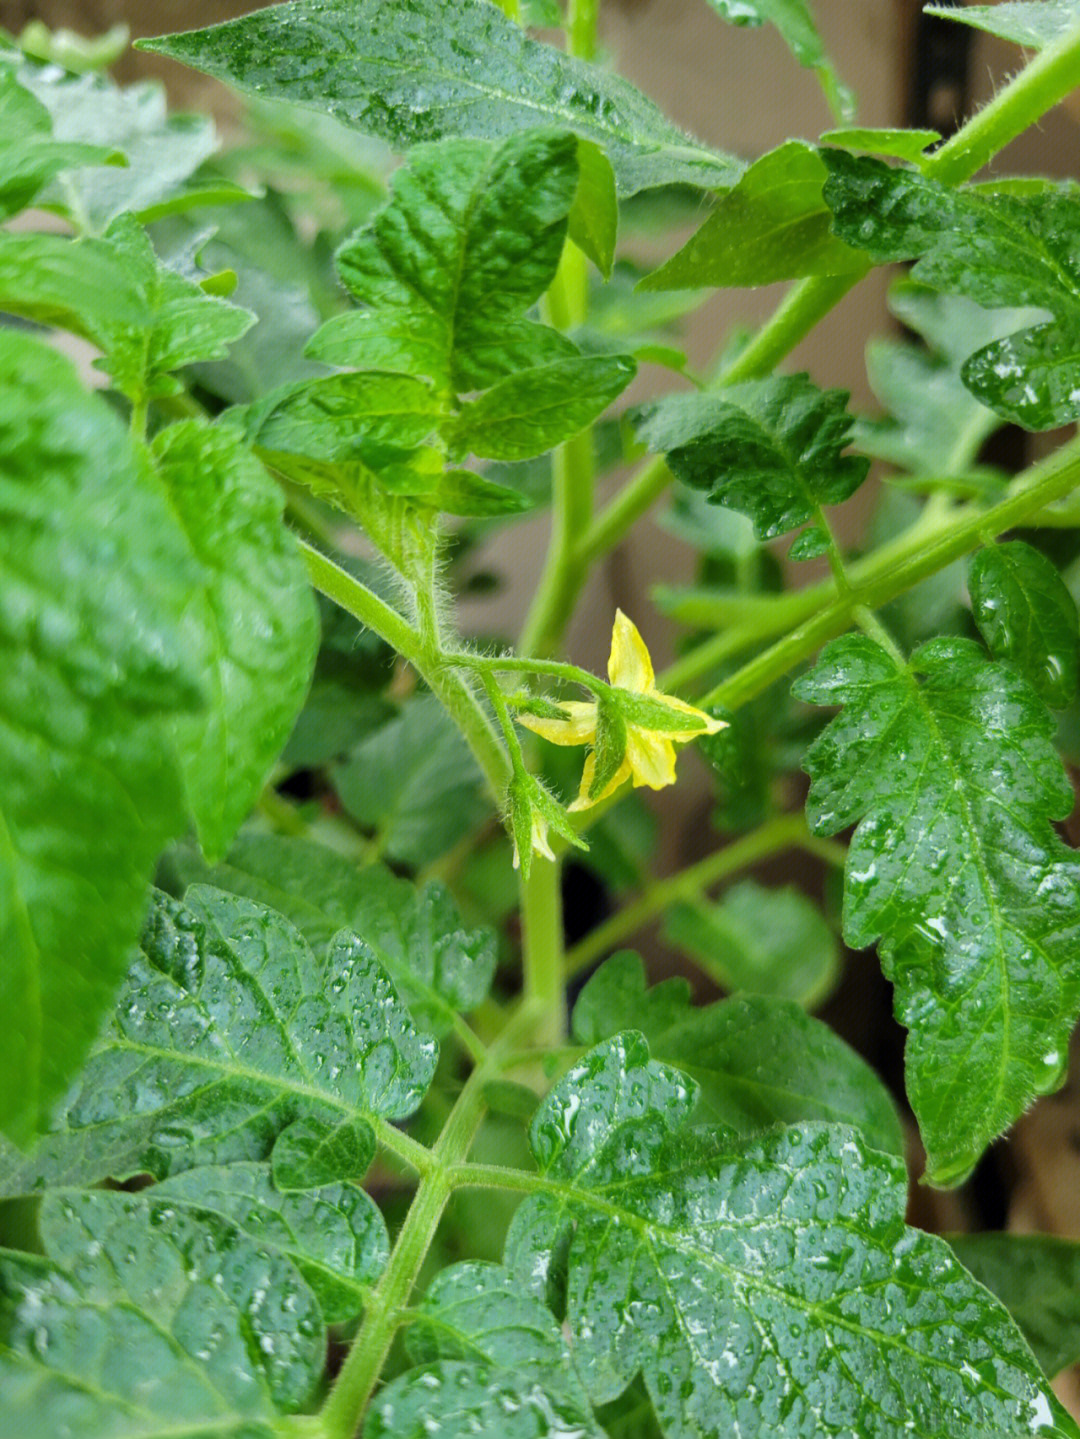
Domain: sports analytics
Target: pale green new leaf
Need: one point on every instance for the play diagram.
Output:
(534, 411)
(416, 70)
(415, 783)
(773, 225)
(29, 155)
(152, 1320)
(1037, 1278)
(162, 151)
(491, 1360)
(795, 22)
(774, 942)
(900, 144)
(228, 1030)
(1031, 23)
(95, 575)
(948, 767)
(1027, 616)
(251, 622)
(757, 1062)
(997, 248)
(593, 223)
(468, 242)
(763, 1286)
(772, 449)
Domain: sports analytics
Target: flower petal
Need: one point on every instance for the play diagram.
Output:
(629, 666)
(651, 758)
(583, 801)
(580, 728)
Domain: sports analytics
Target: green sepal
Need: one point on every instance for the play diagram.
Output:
(609, 745)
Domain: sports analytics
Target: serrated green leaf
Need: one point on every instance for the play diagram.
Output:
(767, 1284)
(88, 673)
(491, 1360)
(593, 222)
(147, 1325)
(998, 249)
(772, 449)
(469, 241)
(899, 144)
(537, 409)
(774, 225)
(795, 22)
(415, 783)
(162, 151)
(1037, 1278)
(757, 1061)
(765, 941)
(463, 492)
(434, 68)
(1031, 23)
(78, 285)
(439, 966)
(180, 325)
(227, 1030)
(948, 766)
(251, 622)
(1027, 616)
(313, 1152)
(29, 155)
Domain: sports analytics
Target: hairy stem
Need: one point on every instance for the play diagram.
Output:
(773, 837)
(544, 959)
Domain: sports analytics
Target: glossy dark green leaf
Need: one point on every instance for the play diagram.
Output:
(900, 144)
(996, 248)
(1027, 616)
(439, 966)
(774, 225)
(772, 449)
(152, 1321)
(162, 151)
(29, 155)
(537, 409)
(181, 324)
(227, 1031)
(426, 69)
(593, 222)
(767, 1285)
(1037, 1278)
(313, 1152)
(1031, 23)
(335, 1235)
(251, 623)
(764, 941)
(795, 22)
(757, 1061)
(89, 671)
(491, 1360)
(445, 273)
(949, 769)
(415, 783)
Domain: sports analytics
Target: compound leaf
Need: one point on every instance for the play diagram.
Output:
(947, 765)
(468, 242)
(151, 1320)
(439, 966)
(757, 1062)
(251, 621)
(795, 22)
(762, 1285)
(1037, 1278)
(1027, 616)
(428, 69)
(227, 1031)
(1031, 23)
(766, 941)
(89, 671)
(490, 1358)
(773, 225)
(998, 249)
(772, 449)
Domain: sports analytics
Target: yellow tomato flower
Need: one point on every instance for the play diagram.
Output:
(650, 752)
